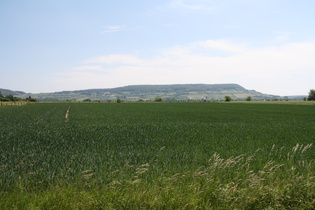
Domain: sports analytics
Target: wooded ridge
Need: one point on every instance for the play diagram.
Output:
(176, 92)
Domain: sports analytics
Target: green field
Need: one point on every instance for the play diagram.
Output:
(157, 156)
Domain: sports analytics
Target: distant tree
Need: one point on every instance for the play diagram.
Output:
(305, 98)
(12, 98)
(31, 99)
(249, 98)
(158, 99)
(118, 100)
(311, 95)
(228, 98)
(87, 100)
(2, 98)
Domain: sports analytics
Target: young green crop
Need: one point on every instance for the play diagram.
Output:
(155, 154)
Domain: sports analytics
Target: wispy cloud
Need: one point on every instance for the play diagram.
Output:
(168, 25)
(88, 68)
(187, 5)
(268, 70)
(118, 28)
(281, 36)
(115, 59)
(191, 5)
(223, 45)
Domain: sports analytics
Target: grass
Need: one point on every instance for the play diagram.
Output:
(158, 156)
(222, 183)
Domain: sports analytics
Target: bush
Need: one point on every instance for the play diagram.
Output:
(228, 98)
(158, 99)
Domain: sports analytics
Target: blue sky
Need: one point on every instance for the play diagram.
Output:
(54, 45)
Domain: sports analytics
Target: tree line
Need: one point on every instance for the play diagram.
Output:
(13, 98)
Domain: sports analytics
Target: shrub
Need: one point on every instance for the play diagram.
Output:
(158, 99)
(228, 98)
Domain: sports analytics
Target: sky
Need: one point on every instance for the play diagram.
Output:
(56, 45)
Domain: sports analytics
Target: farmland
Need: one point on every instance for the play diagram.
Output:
(157, 155)
(14, 103)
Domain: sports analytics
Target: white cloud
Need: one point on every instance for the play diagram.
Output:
(281, 36)
(169, 25)
(88, 68)
(115, 59)
(223, 45)
(187, 5)
(118, 28)
(283, 70)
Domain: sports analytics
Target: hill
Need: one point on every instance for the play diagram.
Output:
(11, 92)
(177, 92)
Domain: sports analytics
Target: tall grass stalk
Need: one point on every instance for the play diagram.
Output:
(231, 183)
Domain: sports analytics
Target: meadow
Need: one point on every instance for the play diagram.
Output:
(157, 156)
